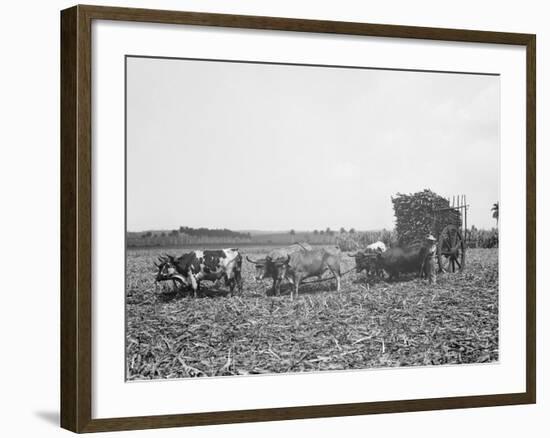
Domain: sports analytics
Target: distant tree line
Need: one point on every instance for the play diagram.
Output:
(186, 236)
(195, 232)
(349, 240)
(208, 232)
(328, 232)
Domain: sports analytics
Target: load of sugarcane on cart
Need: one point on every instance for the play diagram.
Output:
(426, 213)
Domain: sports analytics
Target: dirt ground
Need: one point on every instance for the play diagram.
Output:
(382, 324)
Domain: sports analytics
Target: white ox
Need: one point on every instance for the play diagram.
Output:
(376, 247)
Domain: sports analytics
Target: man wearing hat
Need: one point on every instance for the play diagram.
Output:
(429, 262)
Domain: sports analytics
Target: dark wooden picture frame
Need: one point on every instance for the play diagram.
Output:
(76, 218)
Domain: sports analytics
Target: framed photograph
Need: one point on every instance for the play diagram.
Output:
(272, 218)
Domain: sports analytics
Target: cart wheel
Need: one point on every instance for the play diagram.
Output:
(451, 251)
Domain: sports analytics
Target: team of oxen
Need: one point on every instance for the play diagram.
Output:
(292, 264)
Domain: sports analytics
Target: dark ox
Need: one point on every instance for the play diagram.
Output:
(368, 262)
(367, 259)
(404, 260)
(297, 266)
(210, 265)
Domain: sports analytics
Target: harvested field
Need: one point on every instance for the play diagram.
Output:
(405, 323)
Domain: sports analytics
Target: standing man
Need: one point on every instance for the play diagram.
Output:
(429, 261)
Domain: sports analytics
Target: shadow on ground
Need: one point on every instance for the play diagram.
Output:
(51, 417)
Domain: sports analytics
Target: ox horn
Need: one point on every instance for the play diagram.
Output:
(255, 262)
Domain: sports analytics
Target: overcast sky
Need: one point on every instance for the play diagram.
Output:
(275, 147)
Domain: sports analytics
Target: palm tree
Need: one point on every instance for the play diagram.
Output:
(494, 209)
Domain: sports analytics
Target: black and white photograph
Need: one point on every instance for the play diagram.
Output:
(296, 218)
